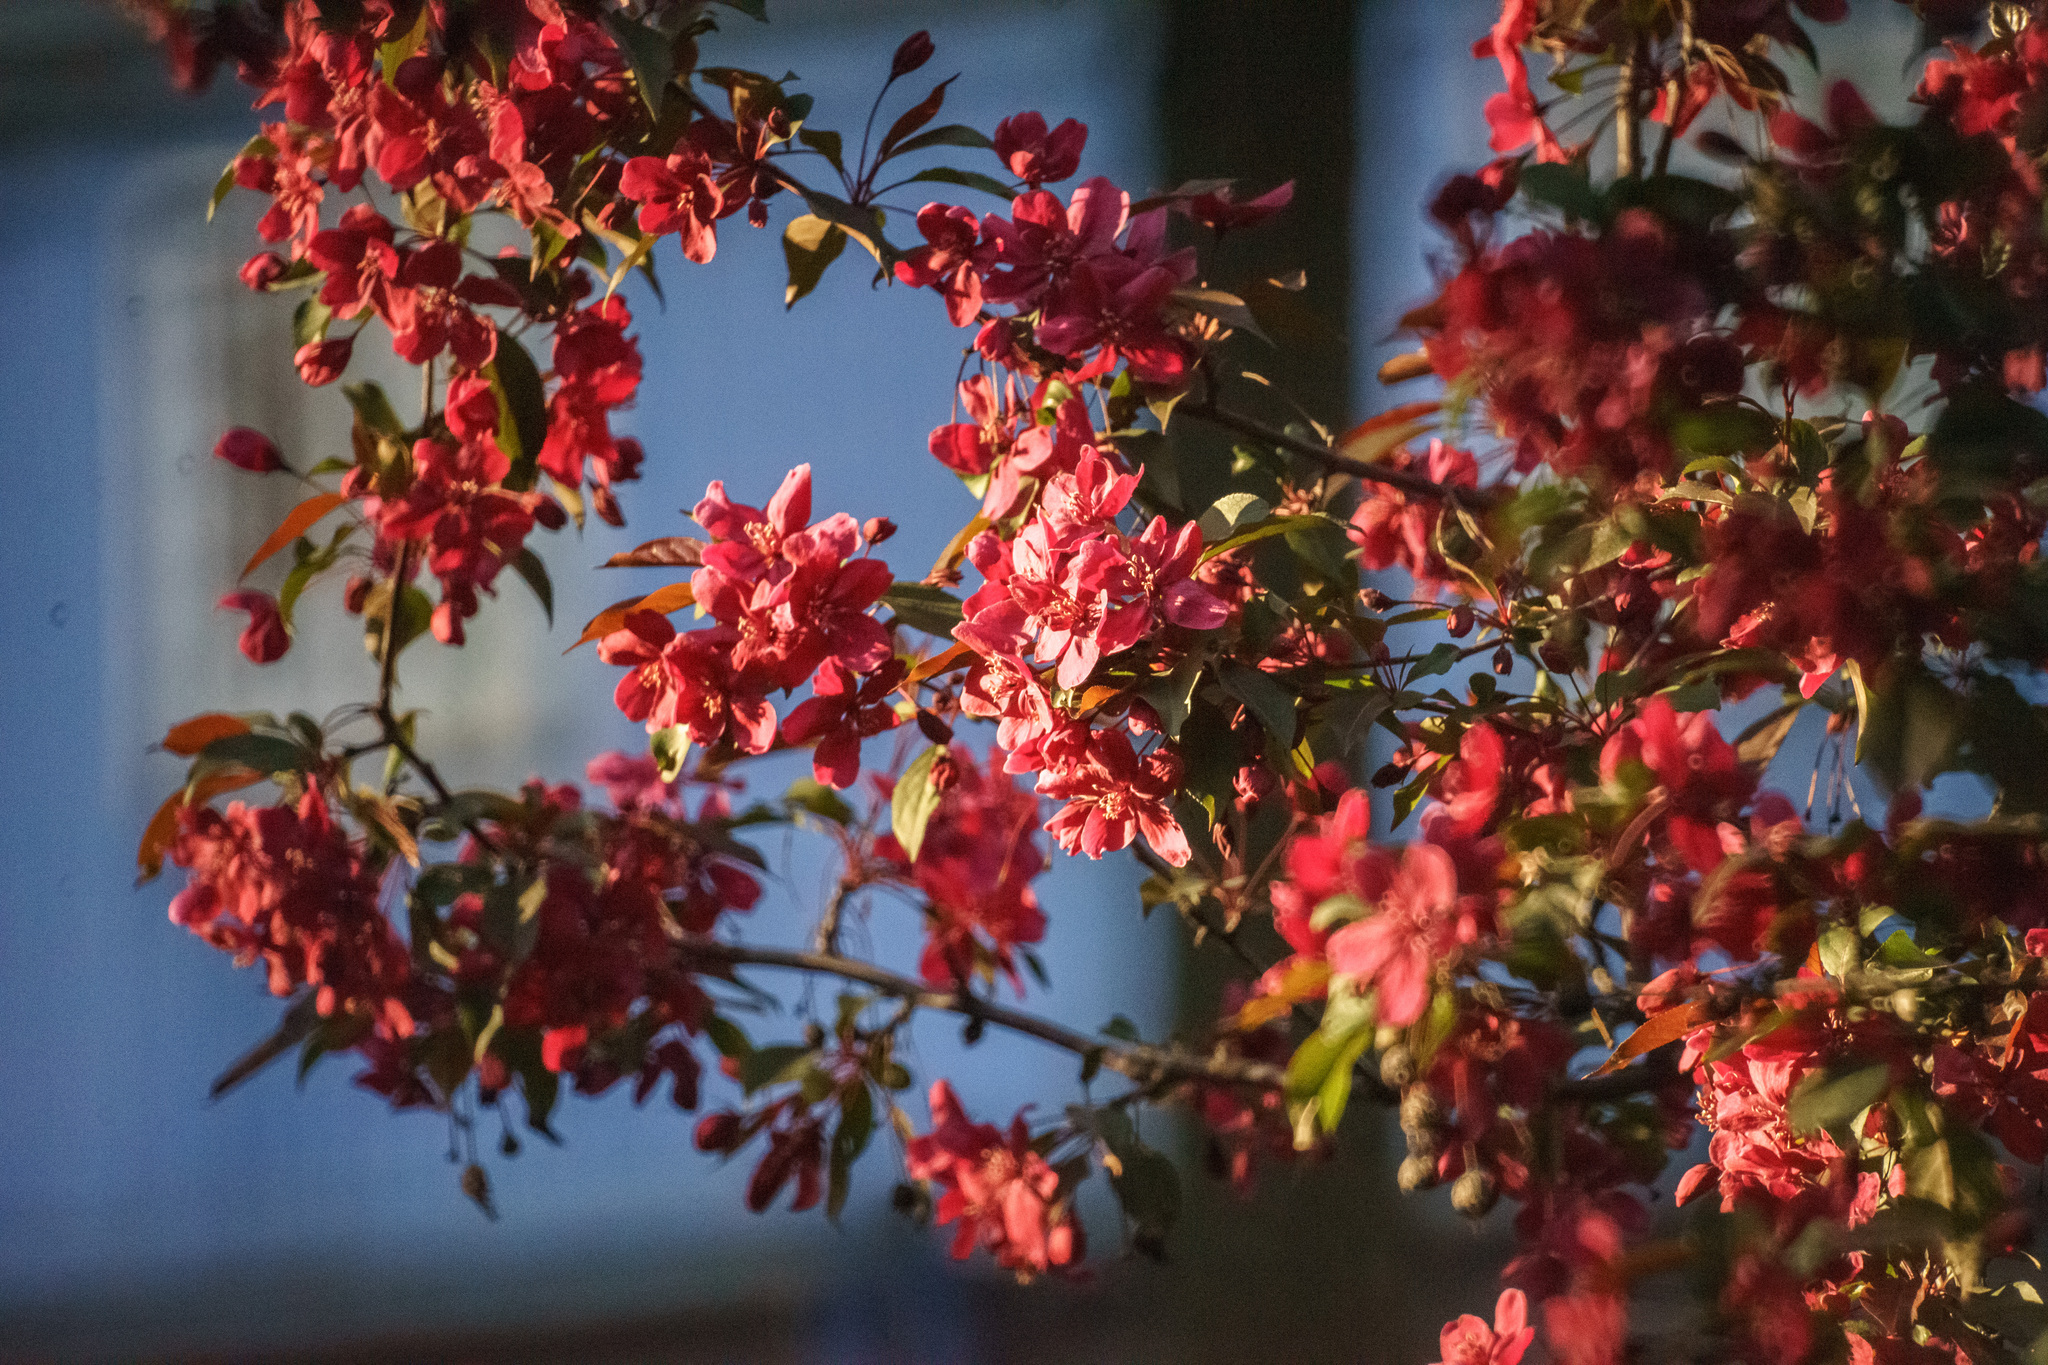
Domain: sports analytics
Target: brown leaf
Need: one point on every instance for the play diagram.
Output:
(682, 551)
(1414, 365)
(188, 737)
(1657, 1030)
(943, 662)
(295, 524)
(674, 597)
(1375, 436)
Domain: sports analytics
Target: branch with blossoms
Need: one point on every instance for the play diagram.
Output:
(1721, 482)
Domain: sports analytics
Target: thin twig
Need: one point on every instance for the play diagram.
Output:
(1142, 1062)
(1405, 480)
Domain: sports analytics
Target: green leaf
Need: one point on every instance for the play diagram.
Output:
(971, 180)
(1898, 950)
(1266, 698)
(511, 918)
(1913, 726)
(371, 404)
(1172, 695)
(1724, 429)
(849, 1140)
(753, 9)
(415, 614)
(773, 1065)
(522, 409)
(945, 135)
(861, 223)
(256, 752)
(1841, 950)
(915, 798)
(309, 321)
(726, 1036)
(1442, 657)
(529, 567)
(669, 746)
(651, 55)
(1564, 188)
(1121, 1028)
(809, 794)
(1263, 530)
(923, 607)
(1829, 1098)
(809, 246)
(826, 143)
(393, 54)
(1231, 511)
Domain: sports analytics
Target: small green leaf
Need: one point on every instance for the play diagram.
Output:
(371, 404)
(849, 1140)
(971, 180)
(809, 794)
(923, 607)
(1266, 698)
(1230, 512)
(650, 53)
(809, 246)
(522, 409)
(915, 798)
(529, 567)
(1841, 950)
(669, 745)
(1831, 1097)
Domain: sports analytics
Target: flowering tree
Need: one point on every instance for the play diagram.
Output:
(1759, 442)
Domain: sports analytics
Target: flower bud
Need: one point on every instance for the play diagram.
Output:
(1420, 1113)
(1376, 600)
(1416, 1173)
(265, 639)
(875, 530)
(1388, 774)
(262, 270)
(933, 729)
(247, 448)
(355, 595)
(549, 514)
(321, 362)
(1503, 661)
(1397, 1067)
(914, 52)
(1474, 1194)
(1459, 622)
(719, 1132)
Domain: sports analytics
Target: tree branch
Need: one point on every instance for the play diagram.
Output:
(1405, 480)
(1142, 1062)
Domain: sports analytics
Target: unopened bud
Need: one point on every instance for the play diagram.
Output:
(1388, 775)
(549, 514)
(1416, 1173)
(1906, 1004)
(247, 448)
(1503, 661)
(262, 270)
(945, 773)
(875, 530)
(1376, 600)
(355, 595)
(718, 1132)
(1459, 622)
(932, 728)
(1474, 1194)
(914, 52)
(1397, 1067)
(1419, 1110)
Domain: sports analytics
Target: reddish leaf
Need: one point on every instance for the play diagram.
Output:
(915, 117)
(674, 597)
(1656, 1031)
(188, 737)
(162, 830)
(944, 662)
(296, 523)
(1375, 436)
(682, 551)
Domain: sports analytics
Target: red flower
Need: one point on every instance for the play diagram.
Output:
(1419, 922)
(1702, 781)
(950, 259)
(1000, 1191)
(1112, 795)
(844, 711)
(1036, 156)
(646, 693)
(265, 639)
(677, 195)
(1469, 1341)
(1220, 212)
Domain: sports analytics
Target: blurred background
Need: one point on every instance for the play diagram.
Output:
(138, 1221)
